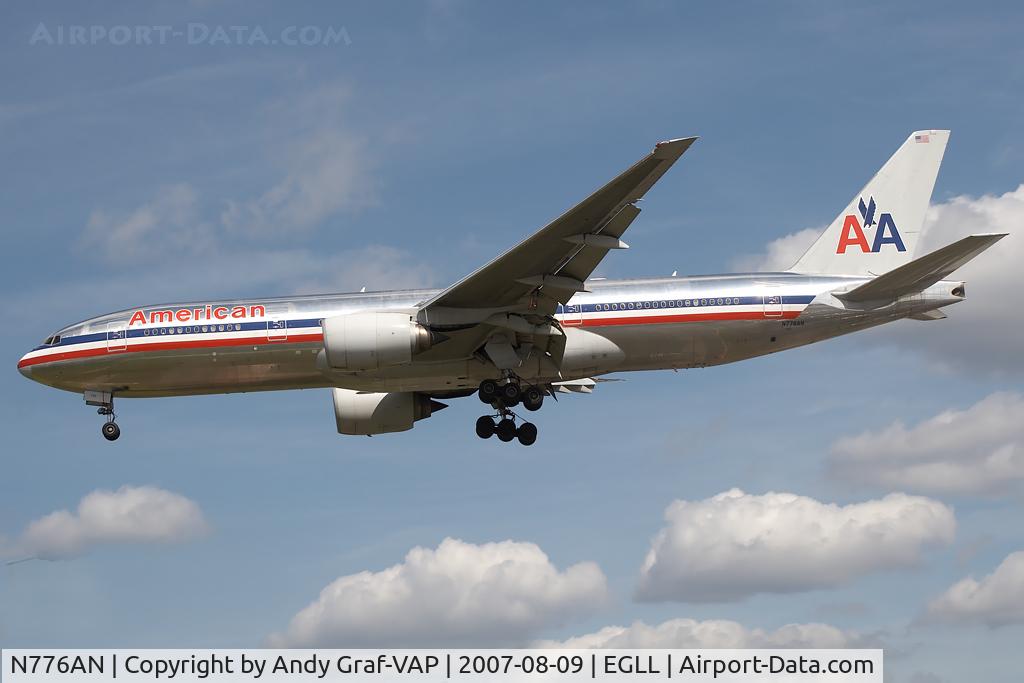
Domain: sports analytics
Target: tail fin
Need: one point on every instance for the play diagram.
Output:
(880, 228)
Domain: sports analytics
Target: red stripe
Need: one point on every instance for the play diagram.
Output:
(298, 338)
(170, 346)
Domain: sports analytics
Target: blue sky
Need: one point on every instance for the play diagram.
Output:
(436, 136)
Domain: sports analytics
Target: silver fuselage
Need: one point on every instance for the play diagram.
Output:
(616, 326)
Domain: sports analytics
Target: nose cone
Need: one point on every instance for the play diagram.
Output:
(24, 368)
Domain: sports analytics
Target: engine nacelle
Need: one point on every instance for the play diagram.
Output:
(373, 340)
(361, 413)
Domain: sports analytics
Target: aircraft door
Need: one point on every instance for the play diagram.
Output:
(117, 337)
(772, 298)
(277, 329)
(570, 314)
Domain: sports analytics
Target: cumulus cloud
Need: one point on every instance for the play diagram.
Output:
(244, 274)
(168, 222)
(956, 342)
(735, 544)
(327, 175)
(131, 514)
(323, 172)
(779, 254)
(325, 168)
(979, 450)
(995, 600)
(714, 633)
(458, 593)
(980, 333)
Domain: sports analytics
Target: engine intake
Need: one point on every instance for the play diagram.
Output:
(373, 340)
(365, 413)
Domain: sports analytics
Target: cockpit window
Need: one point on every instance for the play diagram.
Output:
(52, 341)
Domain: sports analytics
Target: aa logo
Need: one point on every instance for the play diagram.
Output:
(853, 230)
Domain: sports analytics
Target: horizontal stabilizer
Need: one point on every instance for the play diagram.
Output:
(923, 272)
(934, 314)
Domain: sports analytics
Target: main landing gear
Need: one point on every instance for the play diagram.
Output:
(504, 397)
(105, 401)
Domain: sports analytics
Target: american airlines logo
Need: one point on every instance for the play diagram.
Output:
(853, 230)
(196, 314)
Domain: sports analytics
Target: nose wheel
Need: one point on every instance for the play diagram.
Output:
(110, 431)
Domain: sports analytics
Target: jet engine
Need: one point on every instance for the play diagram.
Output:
(373, 340)
(365, 413)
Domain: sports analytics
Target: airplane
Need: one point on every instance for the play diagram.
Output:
(532, 323)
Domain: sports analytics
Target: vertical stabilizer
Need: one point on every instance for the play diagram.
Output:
(880, 228)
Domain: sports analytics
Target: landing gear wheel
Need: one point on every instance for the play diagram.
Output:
(506, 430)
(510, 394)
(485, 427)
(488, 391)
(527, 433)
(110, 431)
(533, 398)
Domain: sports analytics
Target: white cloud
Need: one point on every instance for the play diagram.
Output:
(167, 223)
(981, 333)
(996, 600)
(375, 267)
(459, 593)
(979, 450)
(327, 175)
(244, 274)
(325, 172)
(325, 164)
(779, 254)
(714, 633)
(737, 544)
(132, 514)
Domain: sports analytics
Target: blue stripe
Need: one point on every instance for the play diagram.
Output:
(680, 303)
(303, 323)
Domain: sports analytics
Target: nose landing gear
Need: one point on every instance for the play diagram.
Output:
(504, 397)
(105, 401)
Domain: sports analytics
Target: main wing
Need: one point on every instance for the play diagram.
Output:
(551, 265)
